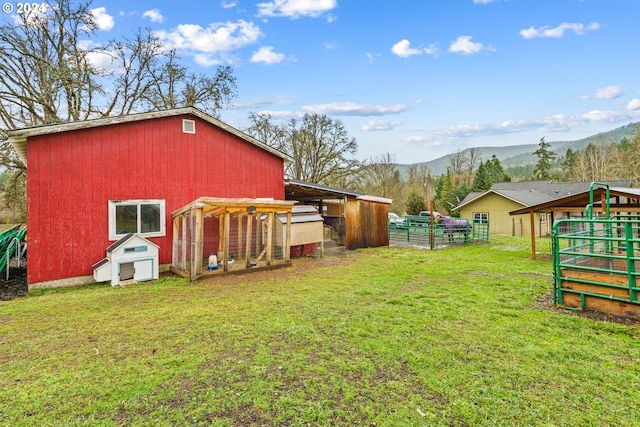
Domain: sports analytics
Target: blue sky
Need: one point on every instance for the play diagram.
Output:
(415, 78)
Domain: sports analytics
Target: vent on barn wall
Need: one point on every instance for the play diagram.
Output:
(188, 126)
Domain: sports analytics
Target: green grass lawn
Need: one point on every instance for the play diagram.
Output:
(384, 337)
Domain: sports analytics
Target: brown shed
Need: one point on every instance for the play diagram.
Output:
(355, 219)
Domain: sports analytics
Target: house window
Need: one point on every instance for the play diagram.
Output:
(543, 218)
(188, 126)
(144, 217)
(481, 217)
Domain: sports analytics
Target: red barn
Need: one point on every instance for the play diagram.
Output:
(90, 183)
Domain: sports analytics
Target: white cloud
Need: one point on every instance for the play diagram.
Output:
(403, 49)
(611, 116)
(296, 8)
(262, 102)
(634, 104)
(228, 4)
(553, 123)
(464, 45)
(103, 60)
(267, 56)
(207, 60)
(154, 15)
(282, 116)
(373, 125)
(372, 57)
(557, 32)
(353, 109)
(609, 92)
(482, 1)
(103, 20)
(211, 45)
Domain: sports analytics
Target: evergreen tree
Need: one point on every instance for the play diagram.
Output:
(569, 162)
(488, 174)
(545, 157)
(447, 195)
(480, 179)
(415, 202)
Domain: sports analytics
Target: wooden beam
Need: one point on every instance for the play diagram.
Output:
(175, 249)
(239, 241)
(532, 219)
(227, 223)
(270, 217)
(247, 259)
(199, 244)
(287, 240)
(183, 258)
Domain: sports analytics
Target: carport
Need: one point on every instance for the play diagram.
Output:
(356, 220)
(622, 200)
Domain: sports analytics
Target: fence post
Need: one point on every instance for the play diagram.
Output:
(631, 265)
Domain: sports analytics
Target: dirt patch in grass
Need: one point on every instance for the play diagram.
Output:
(16, 286)
(297, 267)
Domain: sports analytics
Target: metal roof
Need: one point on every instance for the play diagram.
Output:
(301, 214)
(308, 191)
(580, 200)
(302, 190)
(530, 193)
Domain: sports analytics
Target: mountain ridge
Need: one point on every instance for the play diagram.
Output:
(518, 155)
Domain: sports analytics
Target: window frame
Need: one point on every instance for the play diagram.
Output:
(543, 217)
(113, 204)
(186, 123)
(484, 220)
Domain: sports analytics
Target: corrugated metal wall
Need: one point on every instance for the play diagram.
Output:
(366, 224)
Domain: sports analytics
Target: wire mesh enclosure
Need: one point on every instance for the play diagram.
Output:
(212, 235)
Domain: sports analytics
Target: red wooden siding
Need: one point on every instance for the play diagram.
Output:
(72, 176)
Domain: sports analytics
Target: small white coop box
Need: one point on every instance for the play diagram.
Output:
(131, 259)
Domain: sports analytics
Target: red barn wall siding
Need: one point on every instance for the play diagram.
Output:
(72, 176)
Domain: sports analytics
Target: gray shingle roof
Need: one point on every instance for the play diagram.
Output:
(530, 193)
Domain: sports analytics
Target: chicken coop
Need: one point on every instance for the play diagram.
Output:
(219, 235)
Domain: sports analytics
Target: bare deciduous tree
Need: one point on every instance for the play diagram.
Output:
(380, 177)
(48, 74)
(458, 162)
(321, 148)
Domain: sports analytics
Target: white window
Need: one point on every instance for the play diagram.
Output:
(188, 126)
(543, 218)
(481, 217)
(144, 217)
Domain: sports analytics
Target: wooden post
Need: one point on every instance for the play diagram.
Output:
(247, 256)
(225, 247)
(239, 243)
(431, 225)
(183, 257)
(287, 240)
(174, 249)
(199, 243)
(532, 218)
(270, 238)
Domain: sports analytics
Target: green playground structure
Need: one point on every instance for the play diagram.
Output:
(12, 244)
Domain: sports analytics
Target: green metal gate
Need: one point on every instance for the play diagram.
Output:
(597, 258)
(419, 231)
